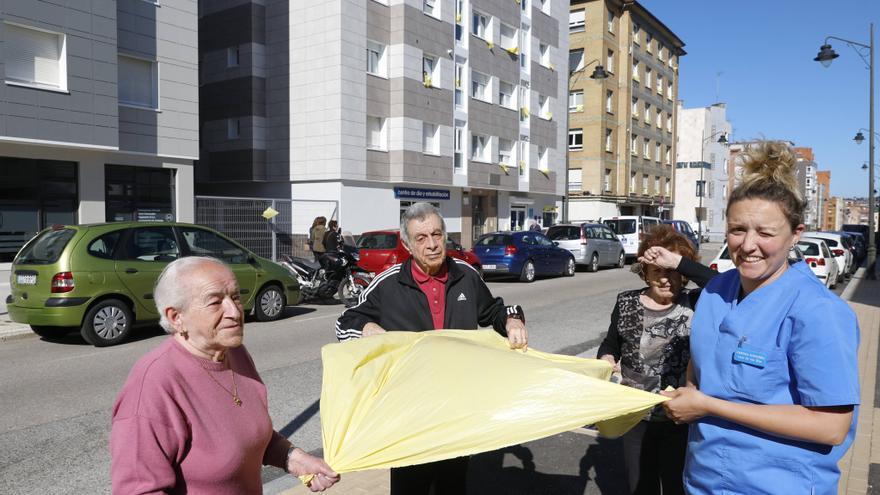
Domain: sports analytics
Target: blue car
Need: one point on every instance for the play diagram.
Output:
(685, 229)
(524, 254)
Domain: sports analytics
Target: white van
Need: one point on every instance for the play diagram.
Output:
(631, 229)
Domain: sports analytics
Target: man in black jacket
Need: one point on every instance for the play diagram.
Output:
(430, 291)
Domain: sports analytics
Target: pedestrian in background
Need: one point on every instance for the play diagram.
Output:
(397, 300)
(533, 225)
(316, 237)
(647, 341)
(772, 386)
(332, 238)
(193, 414)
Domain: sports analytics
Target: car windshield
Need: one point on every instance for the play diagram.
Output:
(46, 248)
(621, 227)
(381, 240)
(808, 248)
(494, 240)
(725, 255)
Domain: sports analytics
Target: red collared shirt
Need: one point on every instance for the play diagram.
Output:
(434, 288)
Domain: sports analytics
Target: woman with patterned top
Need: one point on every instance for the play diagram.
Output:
(648, 342)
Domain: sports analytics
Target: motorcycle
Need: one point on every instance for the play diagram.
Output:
(337, 275)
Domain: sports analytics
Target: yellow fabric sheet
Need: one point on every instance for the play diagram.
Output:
(406, 398)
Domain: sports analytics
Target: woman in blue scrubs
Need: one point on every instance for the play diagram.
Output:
(772, 386)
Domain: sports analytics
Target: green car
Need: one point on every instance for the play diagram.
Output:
(99, 278)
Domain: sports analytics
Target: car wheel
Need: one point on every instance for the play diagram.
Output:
(50, 333)
(621, 260)
(528, 272)
(570, 268)
(108, 322)
(594, 263)
(349, 292)
(269, 304)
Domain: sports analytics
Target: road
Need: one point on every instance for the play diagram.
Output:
(57, 396)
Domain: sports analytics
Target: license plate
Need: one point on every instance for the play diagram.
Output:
(489, 267)
(26, 279)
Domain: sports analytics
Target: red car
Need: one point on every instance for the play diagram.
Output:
(380, 249)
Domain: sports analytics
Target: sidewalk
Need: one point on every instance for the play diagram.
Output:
(565, 471)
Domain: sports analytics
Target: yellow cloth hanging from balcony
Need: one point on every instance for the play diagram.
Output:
(404, 398)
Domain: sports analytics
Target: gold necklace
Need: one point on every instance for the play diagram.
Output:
(234, 392)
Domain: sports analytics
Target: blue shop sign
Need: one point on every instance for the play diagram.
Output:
(415, 193)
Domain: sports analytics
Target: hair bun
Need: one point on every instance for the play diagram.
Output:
(770, 163)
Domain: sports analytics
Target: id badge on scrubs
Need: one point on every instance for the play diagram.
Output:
(749, 355)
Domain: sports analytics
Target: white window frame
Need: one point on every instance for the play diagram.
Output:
(609, 101)
(649, 42)
(636, 77)
(459, 84)
(32, 82)
(480, 148)
(657, 191)
(632, 182)
(645, 184)
(508, 42)
(637, 34)
(544, 54)
(505, 152)
(648, 113)
(648, 77)
(576, 100)
(669, 89)
(430, 138)
(543, 158)
(510, 94)
(609, 140)
(577, 20)
(657, 149)
(381, 65)
(430, 71)
(606, 184)
(611, 17)
(431, 8)
(646, 148)
(481, 25)
(457, 149)
(382, 144)
(484, 81)
(660, 84)
(575, 135)
(668, 154)
(544, 107)
(580, 61)
(668, 122)
(609, 61)
(658, 119)
(634, 145)
(154, 81)
(635, 108)
(575, 179)
(522, 155)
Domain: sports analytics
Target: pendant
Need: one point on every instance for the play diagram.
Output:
(237, 401)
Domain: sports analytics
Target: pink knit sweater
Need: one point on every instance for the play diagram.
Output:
(177, 431)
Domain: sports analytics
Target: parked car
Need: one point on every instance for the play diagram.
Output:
(859, 246)
(820, 259)
(841, 253)
(722, 262)
(685, 229)
(99, 278)
(524, 254)
(382, 249)
(631, 229)
(592, 244)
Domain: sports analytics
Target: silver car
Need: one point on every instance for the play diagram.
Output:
(592, 244)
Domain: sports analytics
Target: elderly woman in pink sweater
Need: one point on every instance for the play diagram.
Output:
(193, 415)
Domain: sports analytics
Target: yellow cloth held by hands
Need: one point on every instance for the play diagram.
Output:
(404, 398)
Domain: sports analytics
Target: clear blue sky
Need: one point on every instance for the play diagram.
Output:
(770, 83)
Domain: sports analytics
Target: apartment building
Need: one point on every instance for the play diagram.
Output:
(375, 104)
(99, 113)
(701, 180)
(622, 129)
(807, 176)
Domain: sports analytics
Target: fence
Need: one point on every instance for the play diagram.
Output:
(242, 220)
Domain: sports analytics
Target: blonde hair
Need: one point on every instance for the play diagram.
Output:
(769, 173)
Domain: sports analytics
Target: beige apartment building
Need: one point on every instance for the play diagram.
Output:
(621, 129)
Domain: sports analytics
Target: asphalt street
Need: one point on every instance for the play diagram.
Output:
(57, 396)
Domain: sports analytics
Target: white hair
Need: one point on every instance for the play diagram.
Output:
(172, 291)
(419, 211)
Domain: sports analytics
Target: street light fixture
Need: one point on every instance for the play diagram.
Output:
(599, 73)
(721, 140)
(825, 57)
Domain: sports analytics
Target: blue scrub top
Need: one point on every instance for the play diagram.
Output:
(809, 338)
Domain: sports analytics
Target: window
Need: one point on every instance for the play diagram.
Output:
(576, 101)
(648, 113)
(233, 128)
(657, 147)
(661, 52)
(525, 5)
(659, 119)
(429, 68)
(575, 60)
(646, 149)
(506, 93)
(657, 185)
(138, 194)
(480, 86)
(376, 59)
(669, 90)
(609, 61)
(544, 55)
(158, 244)
(206, 243)
(429, 139)
(429, 7)
(649, 38)
(524, 101)
(668, 122)
(645, 184)
(609, 141)
(524, 47)
(480, 25)
(637, 34)
(668, 155)
(543, 158)
(668, 185)
(610, 21)
(544, 107)
(701, 188)
(648, 73)
(636, 76)
(575, 139)
(35, 57)
(575, 183)
(632, 183)
(233, 57)
(606, 184)
(544, 6)
(138, 82)
(634, 145)
(505, 151)
(609, 101)
(523, 155)
(659, 84)
(576, 21)
(459, 82)
(508, 37)
(376, 133)
(458, 146)
(635, 108)
(479, 148)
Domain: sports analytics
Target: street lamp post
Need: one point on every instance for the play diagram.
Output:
(598, 74)
(721, 140)
(825, 57)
